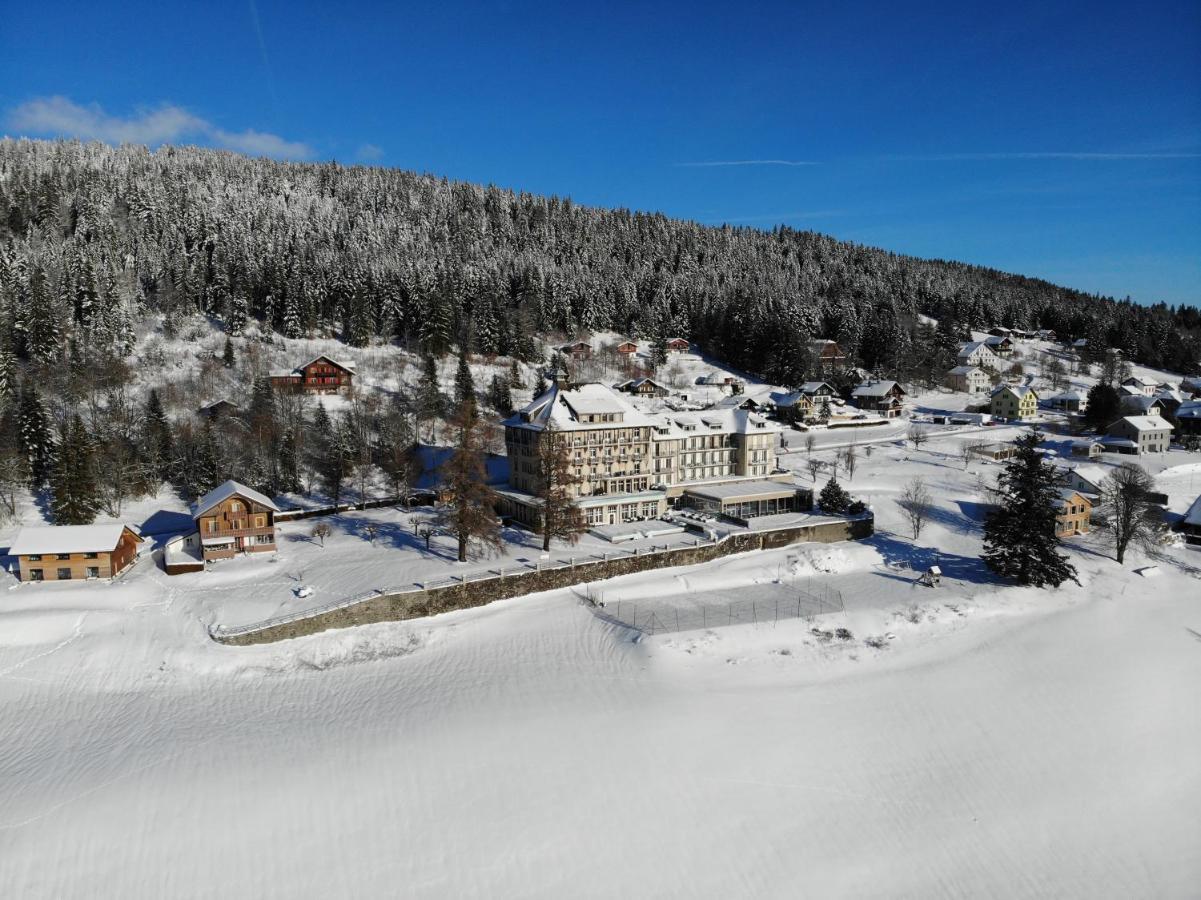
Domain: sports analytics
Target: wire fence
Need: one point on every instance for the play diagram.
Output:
(713, 609)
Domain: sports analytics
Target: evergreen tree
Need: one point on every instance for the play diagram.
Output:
(74, 491)
(515, 374)
(1020, 540)
(464, 383)
(227, 354)
(1104, 406)
(37, 440)
(159, 448)
(561, 516)
(500, 397)
(833, 498)
(207, 469)
(431, 402)
(469, 514)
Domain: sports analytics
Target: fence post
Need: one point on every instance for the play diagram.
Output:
(730, 612)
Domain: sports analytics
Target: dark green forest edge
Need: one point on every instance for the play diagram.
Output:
(95, 239)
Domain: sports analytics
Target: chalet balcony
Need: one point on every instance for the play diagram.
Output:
(236, 532)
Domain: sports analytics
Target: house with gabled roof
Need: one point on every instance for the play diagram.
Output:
(1014, 401)
(233, 518)
(978, 354)
(74, 552)
(968, 380)
(1190, 525)
(881, 396)
(576, 350)
(627, 348)
(320, 375)
(1001, 345)
(827, 355)
(1138, 434)
(678, 345)
(1141, 383)
(643, 387)
(1069, 401)
(1072, 513)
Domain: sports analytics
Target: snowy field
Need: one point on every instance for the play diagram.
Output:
(995, 741)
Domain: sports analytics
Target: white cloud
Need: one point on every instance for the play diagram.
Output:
(59, 116)
(369, 152)
(747, 162)
(950, 157)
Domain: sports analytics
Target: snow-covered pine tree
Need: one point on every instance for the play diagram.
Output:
(37, 438)
(834, 498)
(1020, 540)
(74, 490)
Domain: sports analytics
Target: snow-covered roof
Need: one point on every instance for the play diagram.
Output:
(342, 364)
(995, 340)
(969, 348)
(965, 370)
(1020, 390)
(812, 387)
(1094, 475)
(875, 389)
(1146, 423)
(1068, 494)
(639, 382)
(1190, 410)
(1140, 379)
(223, 492)
(716, 419)
(1142, 401)
(1070, 395)
(562, 409)
(47, 539)
(1193, 516)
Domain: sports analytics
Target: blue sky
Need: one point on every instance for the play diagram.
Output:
(1057, 140)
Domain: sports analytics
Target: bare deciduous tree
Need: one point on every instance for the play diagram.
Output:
(810, 442)
(469, 514)
(321, 531)
(917, 436)
(850, 457)
(814, 466)
(1129, 515)
(916, 503)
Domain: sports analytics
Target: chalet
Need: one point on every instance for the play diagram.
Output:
(738, 401)
(979, 355)
(1069, 401)
(818, 391)
(1014, 401)
(627, 349)
(1190, 525)
(1079, 344)
(1046, 334)
(1191, 385)
(1142, 384)
(233, 518)
(1169, 401)
(968, 380)
(1141, 405)
(1000, 332)
(678, 345)
(1001, 345)
(883, 397)
(722, 380)
(643, 387)
(1086, 449)
(1138, 434)
(1188, 417)
(218, 409)
(1073, 511)
(827, 355)
(321, 375)
(74, 552)
(1088, 480)
(577, 350)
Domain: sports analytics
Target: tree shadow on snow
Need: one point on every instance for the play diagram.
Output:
(899, 554)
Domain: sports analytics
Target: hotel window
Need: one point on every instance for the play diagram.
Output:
(64, 574)
(91, 556)
(35, 557)
(92, 572)
(62, 556)
(36, 575)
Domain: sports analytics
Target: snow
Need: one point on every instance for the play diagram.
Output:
(229, 489)
(963, 737)
(67, 539)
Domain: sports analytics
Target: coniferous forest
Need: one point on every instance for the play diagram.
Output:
(95, 240)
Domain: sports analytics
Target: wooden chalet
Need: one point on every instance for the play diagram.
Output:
(320, 375)
(643, 387)
(627, 348)
(884, 397)
(233, 518)
(218, 409)
(577, 350)
(74, 552)
(678, 345)
(827, 355)
(1190, 525)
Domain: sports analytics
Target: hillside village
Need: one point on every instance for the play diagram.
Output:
(662, 447)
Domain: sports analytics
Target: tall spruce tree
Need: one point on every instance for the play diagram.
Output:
(37, 439)
(74, 490)
(159, 443)
(469, 514)
(464, 382)
(1020, 540)
(561, 516)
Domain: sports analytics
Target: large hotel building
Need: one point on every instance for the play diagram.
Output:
(630, 463)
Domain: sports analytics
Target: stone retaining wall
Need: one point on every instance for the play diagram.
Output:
(417, 604)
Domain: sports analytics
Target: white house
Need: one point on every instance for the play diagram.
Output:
(1069, 401)
(1139, 434)
(968, 380)
(1141, 383)
(978, 354)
